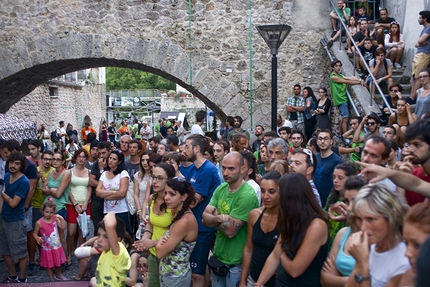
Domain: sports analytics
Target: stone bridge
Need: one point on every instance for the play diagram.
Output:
(210, 47)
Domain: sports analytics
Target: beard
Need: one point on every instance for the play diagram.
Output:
(421, 160)
(192, 158)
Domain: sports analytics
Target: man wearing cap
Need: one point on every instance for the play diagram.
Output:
(145, 131)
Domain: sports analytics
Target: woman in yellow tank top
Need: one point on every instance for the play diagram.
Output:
(160, 218)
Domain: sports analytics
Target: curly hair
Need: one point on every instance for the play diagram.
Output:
(181, 185)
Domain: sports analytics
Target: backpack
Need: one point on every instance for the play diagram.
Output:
(385, 64)
(54, 136)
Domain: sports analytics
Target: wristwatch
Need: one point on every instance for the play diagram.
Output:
(359, 278)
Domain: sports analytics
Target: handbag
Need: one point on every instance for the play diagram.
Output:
(217, 267)
(130, 198)
(84, 222)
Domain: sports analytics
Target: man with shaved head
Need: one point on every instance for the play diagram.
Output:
(228, 211)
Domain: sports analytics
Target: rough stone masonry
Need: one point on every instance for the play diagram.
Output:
(42, 39)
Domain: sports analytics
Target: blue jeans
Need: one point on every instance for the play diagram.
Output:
(231, 280)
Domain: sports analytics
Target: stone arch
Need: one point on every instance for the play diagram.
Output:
(30, 62)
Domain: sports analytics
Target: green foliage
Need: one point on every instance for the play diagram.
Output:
(130, 79)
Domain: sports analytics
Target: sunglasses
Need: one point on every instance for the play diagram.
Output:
(370, 124)
(309, 153)
(396, 91)
(180, 179)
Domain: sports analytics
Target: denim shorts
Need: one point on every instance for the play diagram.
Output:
(344, 110)
(200, 254)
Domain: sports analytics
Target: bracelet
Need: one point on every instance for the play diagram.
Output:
(148, 231)
(75, 204)
(139, 211)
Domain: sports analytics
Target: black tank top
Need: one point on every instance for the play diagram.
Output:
(264, 243)
(311, 276)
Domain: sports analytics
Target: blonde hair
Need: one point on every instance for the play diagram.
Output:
(378, 200)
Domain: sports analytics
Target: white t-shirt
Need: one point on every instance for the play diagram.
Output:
(146, 130)
(196, 129)
(256, 188)
(119, 205)
(384, 266)
(61, 131)
(388, 183)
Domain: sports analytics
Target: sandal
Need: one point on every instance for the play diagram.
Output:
(60, 277)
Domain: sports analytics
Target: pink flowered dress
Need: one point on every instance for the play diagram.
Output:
(52, 253)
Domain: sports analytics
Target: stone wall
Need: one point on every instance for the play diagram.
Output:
(71, 103)
(40, 40)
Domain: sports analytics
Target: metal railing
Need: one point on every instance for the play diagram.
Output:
(374, 82)
(369, 5)
(354, 107)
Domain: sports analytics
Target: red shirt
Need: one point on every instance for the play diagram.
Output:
(412, 197)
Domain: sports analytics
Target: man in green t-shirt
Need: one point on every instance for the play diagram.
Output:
(345, 14)
(228, 210)
(338, 84)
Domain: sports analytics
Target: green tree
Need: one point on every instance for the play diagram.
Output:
(131, 79)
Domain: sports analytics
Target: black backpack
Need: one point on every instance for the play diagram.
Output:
(54, 136)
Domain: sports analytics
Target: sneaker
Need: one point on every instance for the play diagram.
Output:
(397, 66)
(31, 269)
(24, 280)
(10, 280)
(60, 277)
(329, 44)
(333, 33)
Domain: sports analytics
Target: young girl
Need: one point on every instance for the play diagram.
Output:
(340, 175)
(51, 252)
(352, 28)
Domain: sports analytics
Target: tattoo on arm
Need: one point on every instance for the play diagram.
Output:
(231, 226)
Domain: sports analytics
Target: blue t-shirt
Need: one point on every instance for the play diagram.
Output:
(426, 48)
(19, 187)
(185, 169)
(31, 170)
(324, 173)
(205, 180)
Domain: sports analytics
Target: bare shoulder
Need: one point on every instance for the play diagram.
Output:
(318, 226)
(254, 214)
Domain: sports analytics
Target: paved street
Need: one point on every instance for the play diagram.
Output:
(41, 275)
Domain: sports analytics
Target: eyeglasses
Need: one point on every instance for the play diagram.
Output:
(57, 159)
(180, 179)
(370, 124)
(309, 153)
(158, 178)
(324, 139)
(422, 77)
(395, 91)
(47, 159)
(81, 156)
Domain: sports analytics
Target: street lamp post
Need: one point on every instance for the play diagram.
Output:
(274, 35)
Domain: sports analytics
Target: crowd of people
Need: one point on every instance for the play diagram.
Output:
(282, 210)
(297, 206)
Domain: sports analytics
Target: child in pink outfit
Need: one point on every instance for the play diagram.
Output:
(51, 252)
